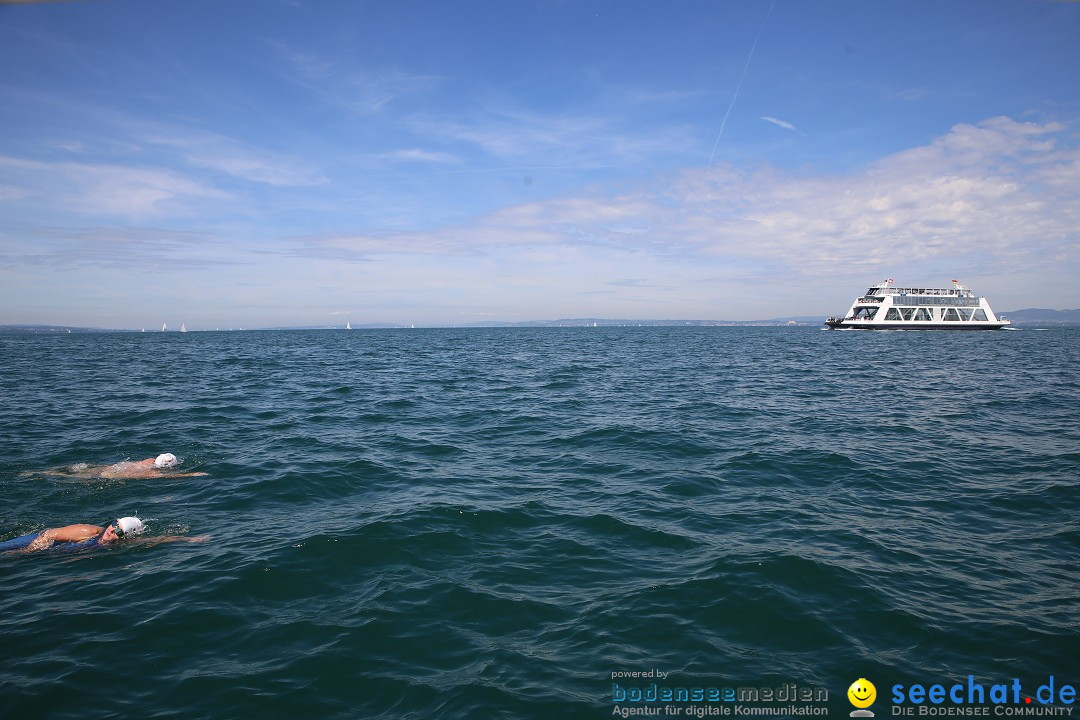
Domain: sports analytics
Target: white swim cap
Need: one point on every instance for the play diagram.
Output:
(129, 526)
(165, 460)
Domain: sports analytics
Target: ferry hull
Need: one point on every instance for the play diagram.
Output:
(913, 326)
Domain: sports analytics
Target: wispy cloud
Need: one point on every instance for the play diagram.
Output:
(147, 248)
(632, 283)
(525, 138)
(997, 191)
(10, 193)
(418, 155)
(348, 85)
(911, 94)
(216, 152)
(987, 198)
(487, 124)
(782, 123)
(99, 189)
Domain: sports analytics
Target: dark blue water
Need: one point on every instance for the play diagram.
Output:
(490, 523)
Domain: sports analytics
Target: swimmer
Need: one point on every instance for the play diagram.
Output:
(149, 468)
(86, 536)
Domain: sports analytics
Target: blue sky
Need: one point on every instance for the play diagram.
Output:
(304, 162)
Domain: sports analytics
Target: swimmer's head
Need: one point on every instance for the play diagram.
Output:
(165, 460)
(129, 526)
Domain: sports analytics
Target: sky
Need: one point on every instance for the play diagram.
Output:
(268, 163)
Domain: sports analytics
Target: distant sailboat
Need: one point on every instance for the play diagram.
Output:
(348, 325)
(162, 327)
(183, 327)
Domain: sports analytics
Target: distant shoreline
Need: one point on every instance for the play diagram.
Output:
(64, 329)
(1020, 318)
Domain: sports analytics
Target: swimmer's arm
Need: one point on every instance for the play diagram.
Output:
(79, 471)
(160, 474)
(140, 474)
(68, 533)
(172, 538)
(74, 533)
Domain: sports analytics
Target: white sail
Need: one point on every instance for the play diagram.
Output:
(162, 327)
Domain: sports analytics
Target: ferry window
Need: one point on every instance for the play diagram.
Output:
(923, 315)
(980, 314)
(965, 313)
(950, 314)
(893, 314)
(907, 313)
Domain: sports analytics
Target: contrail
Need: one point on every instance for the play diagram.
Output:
(743, 77)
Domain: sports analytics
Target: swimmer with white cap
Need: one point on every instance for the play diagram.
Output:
(164, 465)
(150, 467)
(85, 536)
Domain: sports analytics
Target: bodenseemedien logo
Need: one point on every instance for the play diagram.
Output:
(862, 694)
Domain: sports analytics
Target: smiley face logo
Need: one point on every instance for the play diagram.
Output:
(862, 693)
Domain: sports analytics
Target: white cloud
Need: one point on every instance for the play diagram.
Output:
(99, 189)
(146, 248)
(10, 193)
(582, 140)
(422, 156)
(993, 199)
(997, 192)
(782, 123)
(344, 84)
(233, 158)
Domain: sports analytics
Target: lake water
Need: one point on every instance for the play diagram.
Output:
(495, 523)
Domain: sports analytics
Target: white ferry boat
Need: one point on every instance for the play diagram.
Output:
(885, 307)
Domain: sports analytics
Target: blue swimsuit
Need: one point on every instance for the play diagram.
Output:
(24, 540)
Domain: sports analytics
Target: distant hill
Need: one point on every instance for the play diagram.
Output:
(1044, 317)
